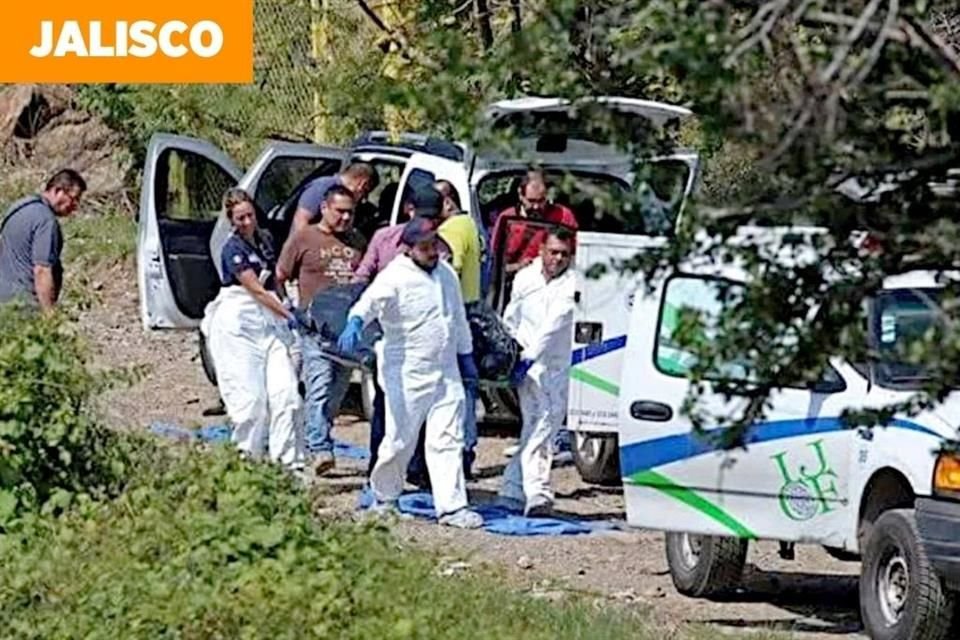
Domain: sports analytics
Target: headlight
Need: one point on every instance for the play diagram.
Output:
(946, 475)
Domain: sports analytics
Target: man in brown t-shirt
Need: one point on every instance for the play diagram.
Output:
(319, 256)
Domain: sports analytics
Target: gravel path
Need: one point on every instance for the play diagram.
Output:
(811, 598)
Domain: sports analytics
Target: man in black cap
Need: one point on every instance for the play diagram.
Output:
(386, 244)
(424, 357)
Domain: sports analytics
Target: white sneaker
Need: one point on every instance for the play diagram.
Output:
(462, 519)
(511, 450)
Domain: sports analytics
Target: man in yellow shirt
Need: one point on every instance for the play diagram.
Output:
(460, 233)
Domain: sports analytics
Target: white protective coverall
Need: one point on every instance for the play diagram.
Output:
(424, 329)
(255, 375)
(540, 317)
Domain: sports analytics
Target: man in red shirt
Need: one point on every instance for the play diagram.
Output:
(523, 242)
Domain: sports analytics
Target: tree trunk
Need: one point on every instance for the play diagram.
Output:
(483, 21)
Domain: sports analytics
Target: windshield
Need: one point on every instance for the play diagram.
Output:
(902, 317)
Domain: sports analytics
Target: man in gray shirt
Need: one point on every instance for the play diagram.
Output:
(31, 242)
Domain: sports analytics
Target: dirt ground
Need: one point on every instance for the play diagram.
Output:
(813, 597)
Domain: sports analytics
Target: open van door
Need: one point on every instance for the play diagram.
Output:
(184, 180)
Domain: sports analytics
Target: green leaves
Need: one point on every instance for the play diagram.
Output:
(50, 447)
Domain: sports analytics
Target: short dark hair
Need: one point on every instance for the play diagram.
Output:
(66, 179)
(562, 234)
(338, 190)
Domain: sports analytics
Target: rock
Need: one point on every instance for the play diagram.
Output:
(628, 595)
(550, 596)
(454, 568)
(654, 592)
(41, 131)
(524, 562)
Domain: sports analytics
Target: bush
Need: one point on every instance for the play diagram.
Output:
(107, 535)
(50, 447)
(204, 545)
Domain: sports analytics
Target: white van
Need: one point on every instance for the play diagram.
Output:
(182, 230)
(595, 180)
(884, 495)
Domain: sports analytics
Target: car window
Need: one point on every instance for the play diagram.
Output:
(284, 174)
(690, 313)
(189, 186)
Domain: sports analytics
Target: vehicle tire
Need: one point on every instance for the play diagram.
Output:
(901, 596)
(368, 392)
(206, 359)
(705, 566)
(597, 458)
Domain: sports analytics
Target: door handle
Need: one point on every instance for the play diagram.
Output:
(651, 411)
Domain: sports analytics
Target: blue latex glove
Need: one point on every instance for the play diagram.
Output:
(350, 337)
(520, 371)
(299, 321)
(468, 370)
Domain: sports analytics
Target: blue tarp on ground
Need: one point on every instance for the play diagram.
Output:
(501, 521)
(221, 433)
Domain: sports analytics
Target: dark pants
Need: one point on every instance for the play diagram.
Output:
(417, 470)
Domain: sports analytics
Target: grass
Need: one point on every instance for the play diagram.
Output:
(204, 545)
(105, 238)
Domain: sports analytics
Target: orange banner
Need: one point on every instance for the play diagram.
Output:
(170, 41)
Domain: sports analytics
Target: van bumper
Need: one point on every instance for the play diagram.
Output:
(938, 523)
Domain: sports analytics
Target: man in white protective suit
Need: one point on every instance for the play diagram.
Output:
(540, 317)
(424, 356)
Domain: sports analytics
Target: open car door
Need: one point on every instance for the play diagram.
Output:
(422, 170)
(513, 235)
(184, 180)
(182, 229)
(275, 180)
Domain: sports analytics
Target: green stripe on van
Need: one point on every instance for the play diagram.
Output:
(665, 485)
(587, 378)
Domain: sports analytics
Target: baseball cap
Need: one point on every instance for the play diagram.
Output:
(418, 230)
(427, 201)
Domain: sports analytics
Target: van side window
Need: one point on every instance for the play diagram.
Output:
(690, 312)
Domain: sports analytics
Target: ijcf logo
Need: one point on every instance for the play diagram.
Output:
(141, 39)
(807, 494)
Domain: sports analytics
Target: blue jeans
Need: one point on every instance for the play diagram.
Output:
(326, 384)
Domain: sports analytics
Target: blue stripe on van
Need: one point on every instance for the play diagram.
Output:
(650, 454)
(596, 350)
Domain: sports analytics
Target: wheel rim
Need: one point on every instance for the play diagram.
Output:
(588, 448)
(690, 548)
(893, 586)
